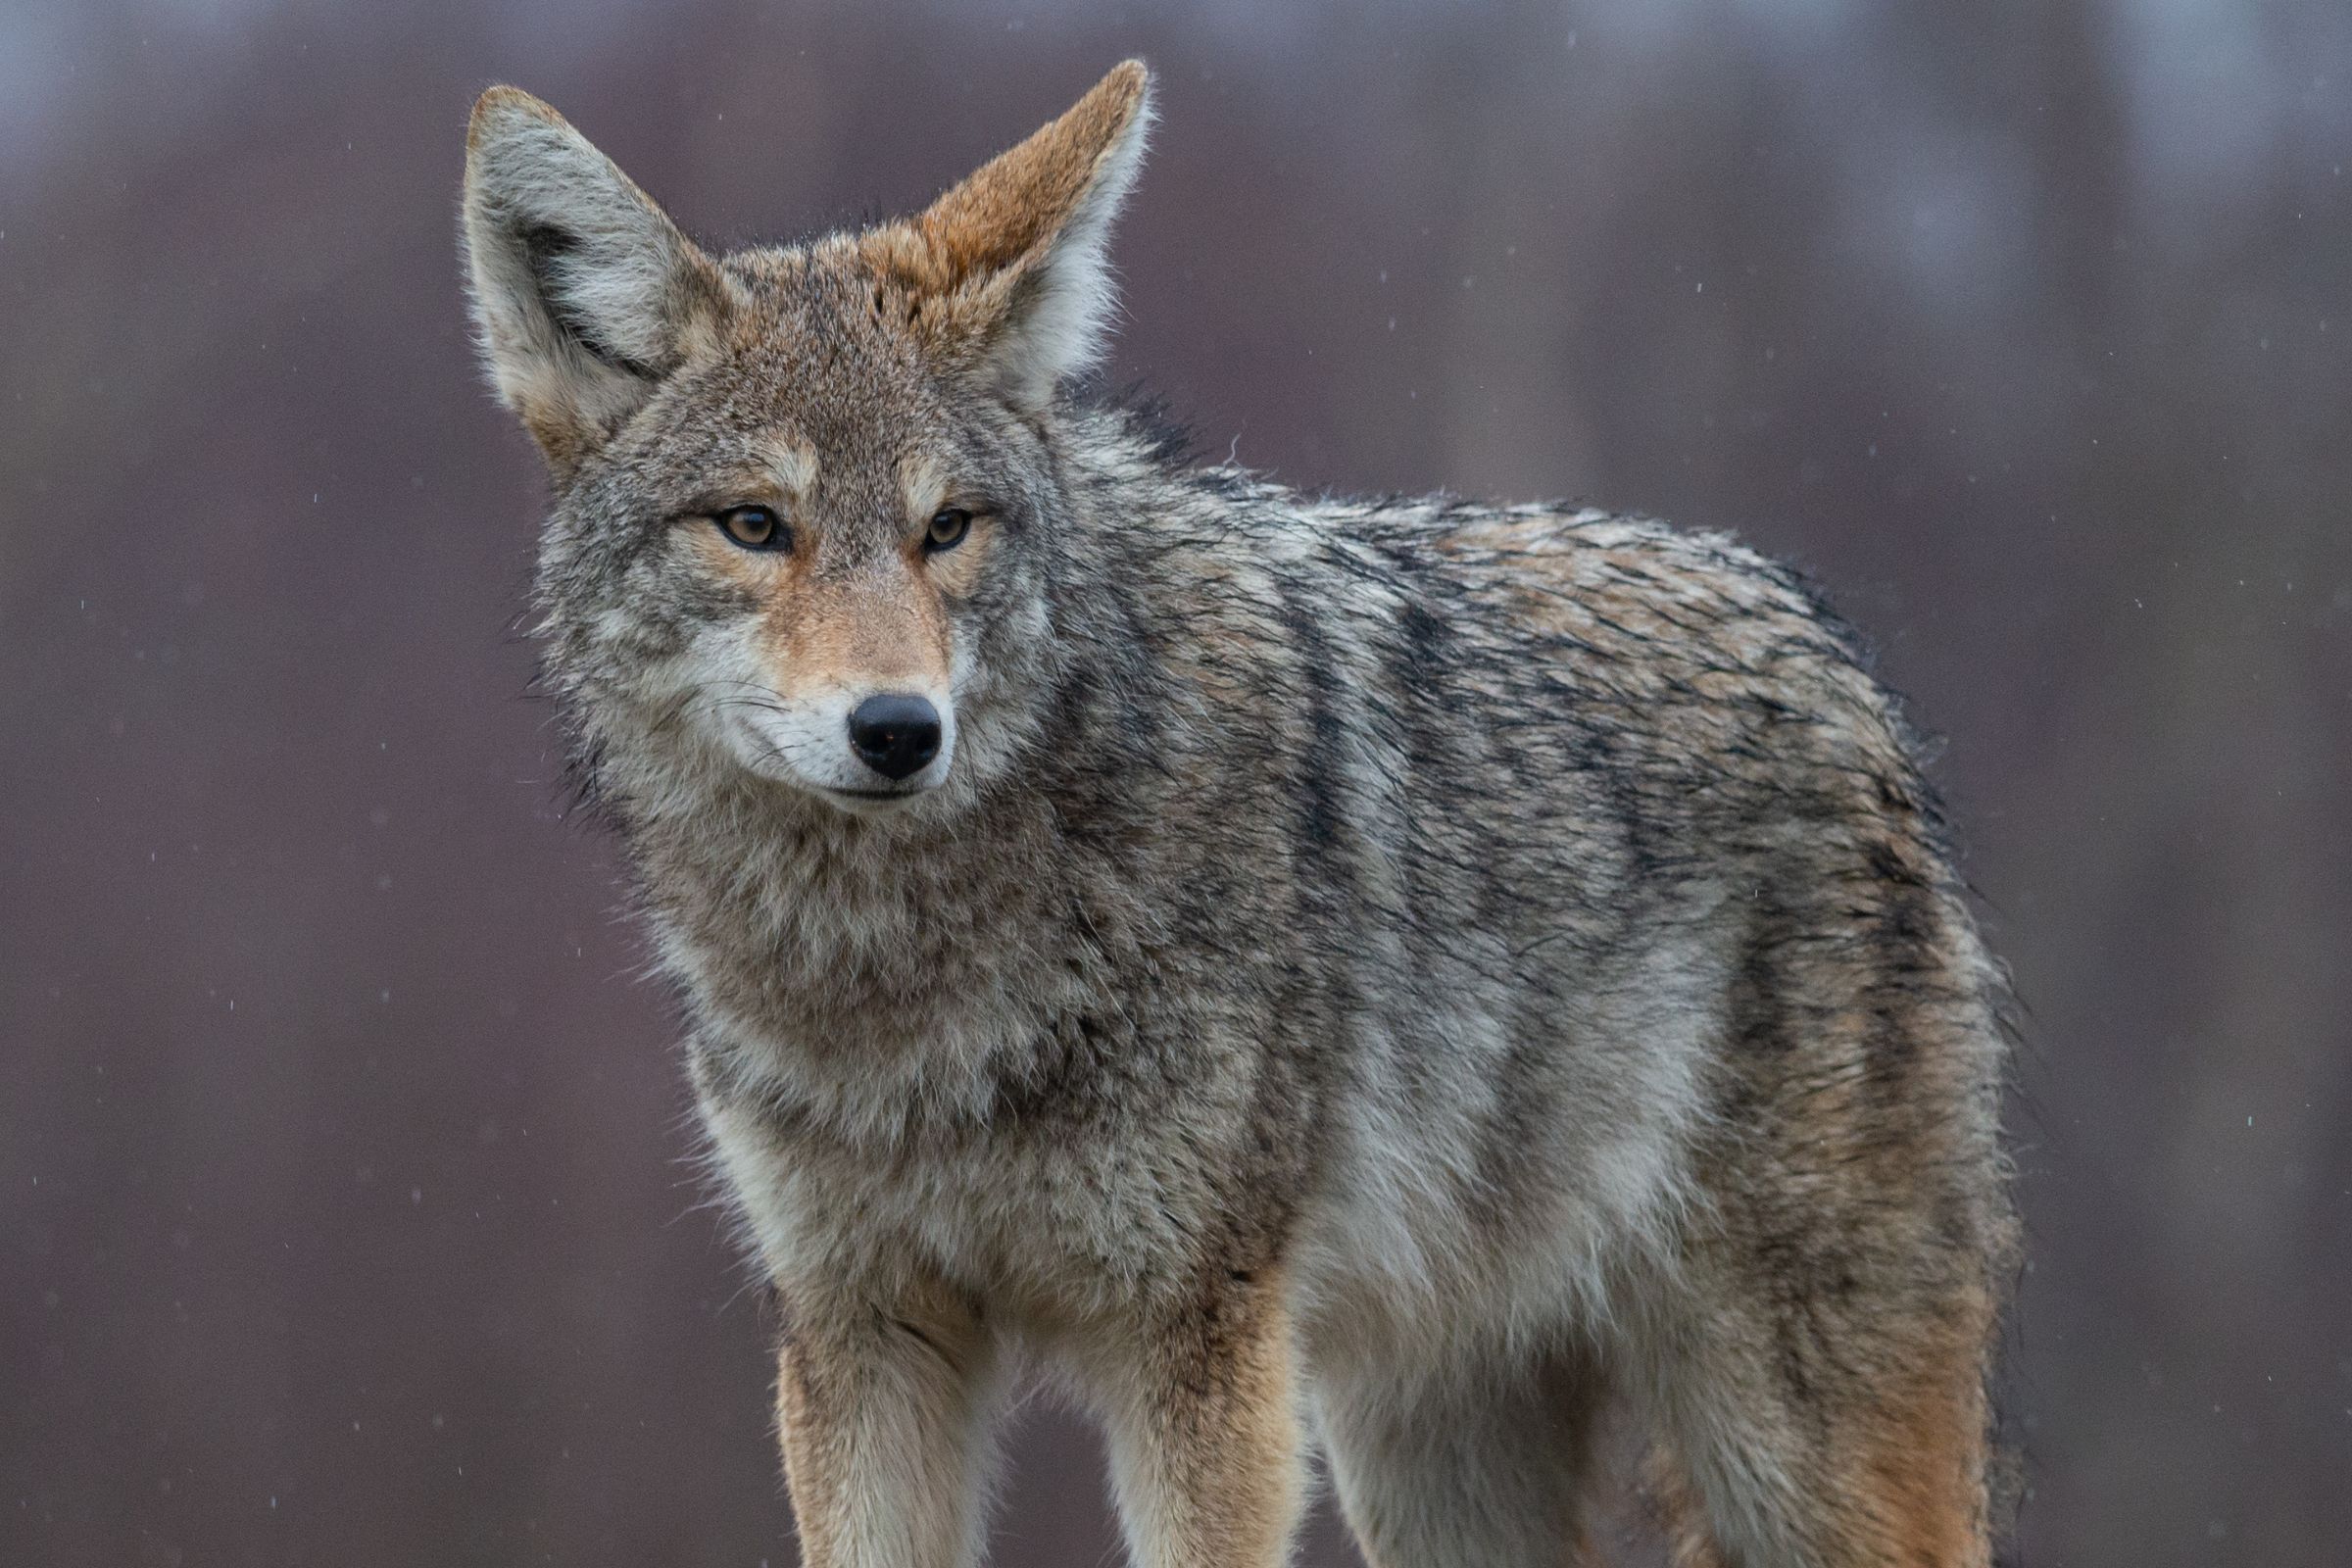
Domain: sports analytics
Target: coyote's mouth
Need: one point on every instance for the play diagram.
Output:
(801, 748)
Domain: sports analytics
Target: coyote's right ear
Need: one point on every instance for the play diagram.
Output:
(586, 296)
(1016, 253)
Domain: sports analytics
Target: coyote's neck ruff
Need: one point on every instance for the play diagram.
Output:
(1403, 970)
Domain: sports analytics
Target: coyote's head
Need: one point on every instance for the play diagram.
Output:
(803, 496)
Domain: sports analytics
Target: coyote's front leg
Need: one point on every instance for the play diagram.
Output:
(1201, 1415)
(886, 1405)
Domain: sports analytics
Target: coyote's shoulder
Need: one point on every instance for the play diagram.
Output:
(1425, 965)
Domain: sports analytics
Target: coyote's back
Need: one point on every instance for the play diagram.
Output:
(1401, 973)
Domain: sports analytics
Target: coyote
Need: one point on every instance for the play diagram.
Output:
(1371, 977)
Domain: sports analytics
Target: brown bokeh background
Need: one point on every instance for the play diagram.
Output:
(344, 1216)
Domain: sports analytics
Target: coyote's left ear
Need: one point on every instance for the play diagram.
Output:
(1017, 251)
(585, 294)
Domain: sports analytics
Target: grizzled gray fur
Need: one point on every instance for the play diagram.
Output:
(1383, 977)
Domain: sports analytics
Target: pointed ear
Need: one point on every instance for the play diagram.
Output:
(1021, 244)
(584, 293)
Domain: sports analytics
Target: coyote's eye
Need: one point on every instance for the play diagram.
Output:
(753, 528)
(948, 526)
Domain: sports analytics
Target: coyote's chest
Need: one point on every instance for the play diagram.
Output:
(1040, 1206)
(866, 975)
(960, 1068)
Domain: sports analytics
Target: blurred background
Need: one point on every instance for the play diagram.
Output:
(342, 1212)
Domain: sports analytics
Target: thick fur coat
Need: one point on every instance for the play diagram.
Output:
(1382, 976)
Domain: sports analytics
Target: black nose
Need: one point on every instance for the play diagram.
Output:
(894, 734)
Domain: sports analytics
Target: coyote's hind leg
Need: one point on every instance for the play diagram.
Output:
(1830, 1433)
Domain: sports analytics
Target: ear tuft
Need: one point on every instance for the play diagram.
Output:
(1023, 243)
(585, 294)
